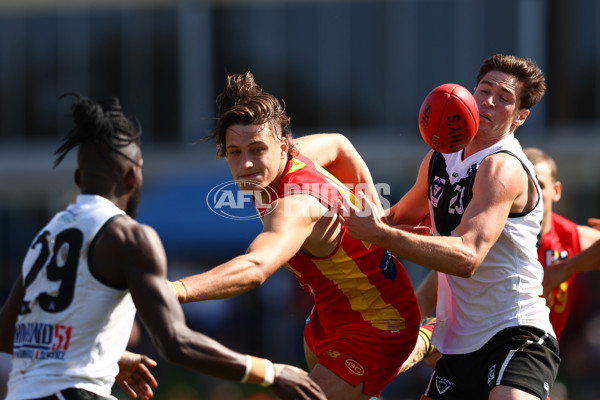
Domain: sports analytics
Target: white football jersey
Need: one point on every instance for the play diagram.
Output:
(72, 328)
(506, 288)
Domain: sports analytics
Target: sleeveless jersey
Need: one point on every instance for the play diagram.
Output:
(359, 282)
(505, 289)
(72, 329)
(561, 241)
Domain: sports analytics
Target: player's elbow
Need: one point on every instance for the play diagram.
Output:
(467, 272)
(172, 353)
(343, 145)
(466, 265)
(257, 272)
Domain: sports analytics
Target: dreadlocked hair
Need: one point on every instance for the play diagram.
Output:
(102, 124)
(244, 102)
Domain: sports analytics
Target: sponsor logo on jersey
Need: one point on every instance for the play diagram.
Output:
(38, 340)
(332, 353)
(354, 366)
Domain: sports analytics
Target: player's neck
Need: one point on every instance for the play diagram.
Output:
(484, 139)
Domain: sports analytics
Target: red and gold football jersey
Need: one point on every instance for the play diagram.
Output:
(560, 242)
(359, 282)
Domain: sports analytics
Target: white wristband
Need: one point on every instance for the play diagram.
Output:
(259, 371)
(269, 373)
(248, 368)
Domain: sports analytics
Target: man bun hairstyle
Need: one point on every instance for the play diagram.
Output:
(101, 124)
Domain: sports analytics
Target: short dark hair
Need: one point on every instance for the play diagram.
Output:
(525, 70)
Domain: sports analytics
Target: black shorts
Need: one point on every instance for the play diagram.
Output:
(74, 394)
(522, 357)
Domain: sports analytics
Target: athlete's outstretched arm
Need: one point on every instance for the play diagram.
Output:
(8, 316)
(413, 207)
(137, 251)
(500, 181)
(285, 230)
(586, 260)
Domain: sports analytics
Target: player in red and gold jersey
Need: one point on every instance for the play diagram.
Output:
(360, 290)
(560, 241)
(365, 320)
(561, 238)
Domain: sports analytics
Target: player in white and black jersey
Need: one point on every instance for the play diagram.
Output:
(69, 316)
(485, 205)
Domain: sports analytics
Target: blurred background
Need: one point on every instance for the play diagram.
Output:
(361, 68)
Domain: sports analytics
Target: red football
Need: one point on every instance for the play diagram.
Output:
(448, 118)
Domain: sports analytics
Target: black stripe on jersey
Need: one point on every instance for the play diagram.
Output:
(91, 254)
(537, 189)
(533, 179)
(456, 196)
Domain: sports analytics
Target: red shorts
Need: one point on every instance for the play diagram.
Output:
(359, 352)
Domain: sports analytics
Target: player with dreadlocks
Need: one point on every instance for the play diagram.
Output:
(69, 315)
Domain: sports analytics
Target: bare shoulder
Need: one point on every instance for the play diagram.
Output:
(125, 231)
(501, 178)
(503, 168)
(128, 242)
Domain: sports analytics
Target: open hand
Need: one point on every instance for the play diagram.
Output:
(554, 275)
(134, 377)
(362, 223)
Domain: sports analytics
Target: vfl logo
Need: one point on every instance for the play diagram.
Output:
(228, 201)
(491, 373)
(435, 190)
(442, 384)
(354, 366)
